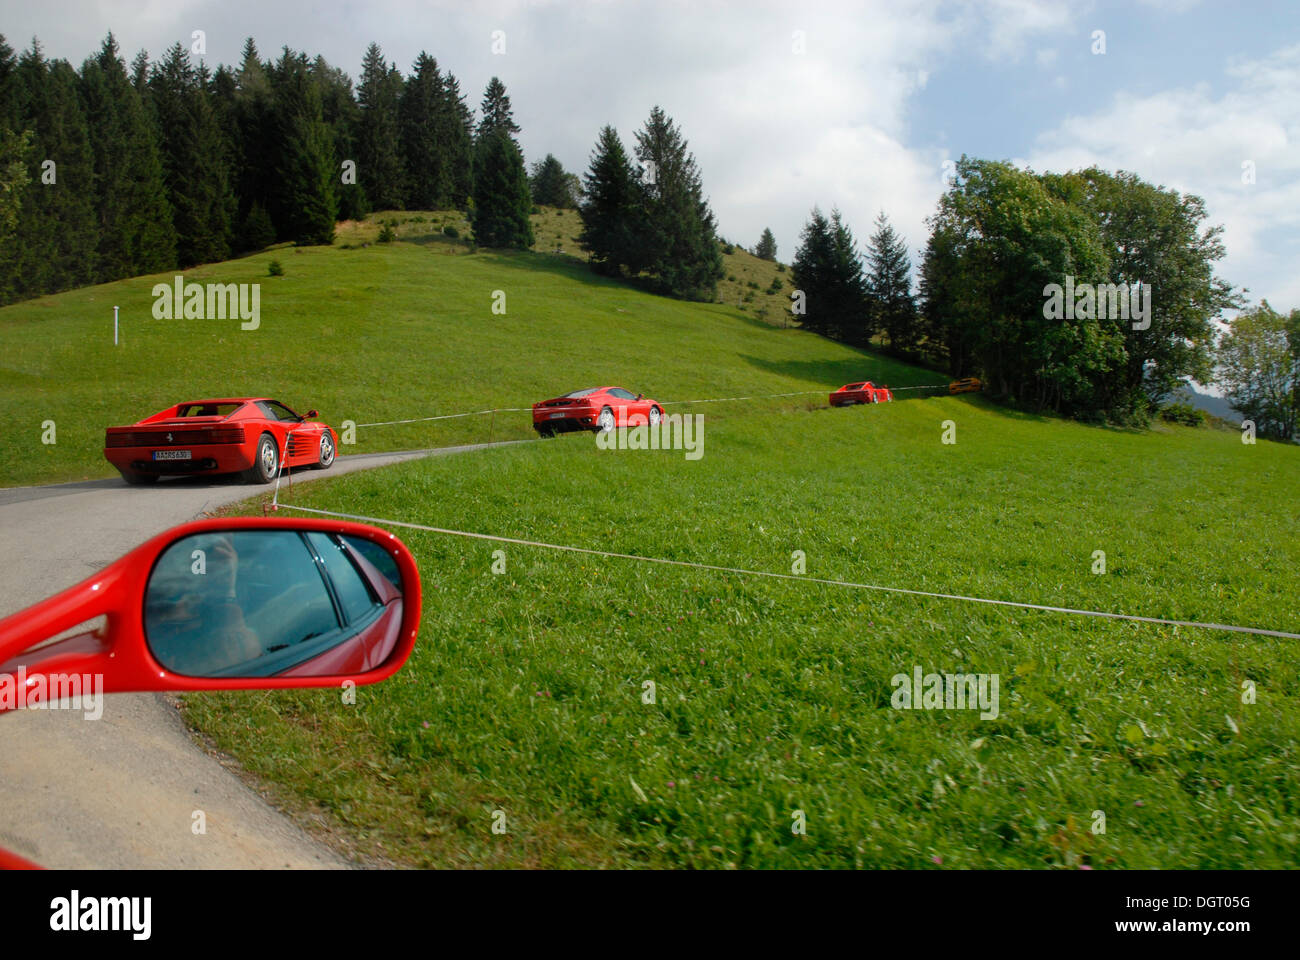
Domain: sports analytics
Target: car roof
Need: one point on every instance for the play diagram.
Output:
(223, 400)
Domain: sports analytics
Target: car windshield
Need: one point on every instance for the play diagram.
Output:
(207, 409)
(578, 394)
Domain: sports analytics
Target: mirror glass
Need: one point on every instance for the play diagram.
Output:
(263, 603)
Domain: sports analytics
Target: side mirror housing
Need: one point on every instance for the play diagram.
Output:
(229, 604)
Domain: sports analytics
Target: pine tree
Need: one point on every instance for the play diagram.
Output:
(502, 202)
(889, 289)
(611, 208)
(422, 126)
(457, 137)
(682, 253)
(495, 112)
(255, 131)
(194, 158)
(550, 183)
(343, 117)
(8, 86)
(54, 247)
(305, 158)
(828, 273)
(766, 248)
(133, 219)
(379, 160)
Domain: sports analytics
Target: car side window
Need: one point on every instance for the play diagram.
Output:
(280, 412)
(354, 595)
(622, 394)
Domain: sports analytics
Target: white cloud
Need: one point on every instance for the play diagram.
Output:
(1196, 141)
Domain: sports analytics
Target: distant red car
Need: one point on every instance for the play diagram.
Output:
(248, 435)
(865, 392)
(598, 408)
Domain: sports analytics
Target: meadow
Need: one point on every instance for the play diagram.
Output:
(608, 712)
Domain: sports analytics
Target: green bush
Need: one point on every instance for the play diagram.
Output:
(388, 234)
(1184, 413)
(450, 231)
(275, 269)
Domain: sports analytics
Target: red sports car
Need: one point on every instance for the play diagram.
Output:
(864, 392)
(598, 408)
(248, 435)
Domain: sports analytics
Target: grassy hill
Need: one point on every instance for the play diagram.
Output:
(525, 692)
(373, 332)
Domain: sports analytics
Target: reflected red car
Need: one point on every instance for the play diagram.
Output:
(599, 409)
(863, 392)
(252, 436)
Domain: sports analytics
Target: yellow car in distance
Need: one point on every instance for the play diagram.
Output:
(965, 385)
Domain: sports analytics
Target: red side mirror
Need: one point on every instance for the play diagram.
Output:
(312, 413)
(242, 603)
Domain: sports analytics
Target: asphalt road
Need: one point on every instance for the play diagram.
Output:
(121, 791)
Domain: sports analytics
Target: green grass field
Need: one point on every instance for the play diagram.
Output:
(524, 694)
(384, 332)
(526, 691)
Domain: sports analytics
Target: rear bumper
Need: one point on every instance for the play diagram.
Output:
(569, 419)
(204, 458)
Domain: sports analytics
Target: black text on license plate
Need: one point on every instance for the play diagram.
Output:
(171, 455)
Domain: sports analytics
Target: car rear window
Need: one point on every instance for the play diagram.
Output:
(577, 394)
(207, 409)
(854, 386)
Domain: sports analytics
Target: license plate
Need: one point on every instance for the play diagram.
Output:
(557, 416)
(171, 455)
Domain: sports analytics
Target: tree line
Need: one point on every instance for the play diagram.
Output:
(110, 170)
(1089, 294)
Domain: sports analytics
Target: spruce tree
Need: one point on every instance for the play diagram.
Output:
(766, 248)
(54, 247)
(682, 253)
(343, 117)
(194, 158)
(305, 157)
(495, 113)
(457, 138)
(611, 208)
(133, 218)
(422, 127)
(379, 161)
(889, 289)
(255, 132)
(550, 183)
(502, 202)
(812, 272)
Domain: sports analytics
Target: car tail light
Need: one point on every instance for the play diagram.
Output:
(172, 438)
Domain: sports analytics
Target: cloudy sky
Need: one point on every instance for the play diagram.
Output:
(859, 106)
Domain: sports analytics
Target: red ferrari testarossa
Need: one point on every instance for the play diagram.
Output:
(248, 435)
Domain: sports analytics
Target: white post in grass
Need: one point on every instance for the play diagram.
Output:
(115, 326)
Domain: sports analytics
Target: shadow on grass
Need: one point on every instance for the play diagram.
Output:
(836, 373)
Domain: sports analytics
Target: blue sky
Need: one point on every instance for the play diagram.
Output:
(861, 113)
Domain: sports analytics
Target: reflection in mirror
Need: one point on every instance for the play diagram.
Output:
(260, 603)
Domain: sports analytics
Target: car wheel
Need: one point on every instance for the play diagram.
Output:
(266, 463)
(605, 422)
(545, 433)
(327, 451)
(655, 416)
(138, 479)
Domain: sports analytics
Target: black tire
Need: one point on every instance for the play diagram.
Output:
(266, 463)
(656, 417)
(326, 440)
(600, 417)
(134, 479)
(545, 433)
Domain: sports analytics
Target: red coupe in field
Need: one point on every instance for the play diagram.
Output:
(247, 435)
(599, 408)
(864, 392)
